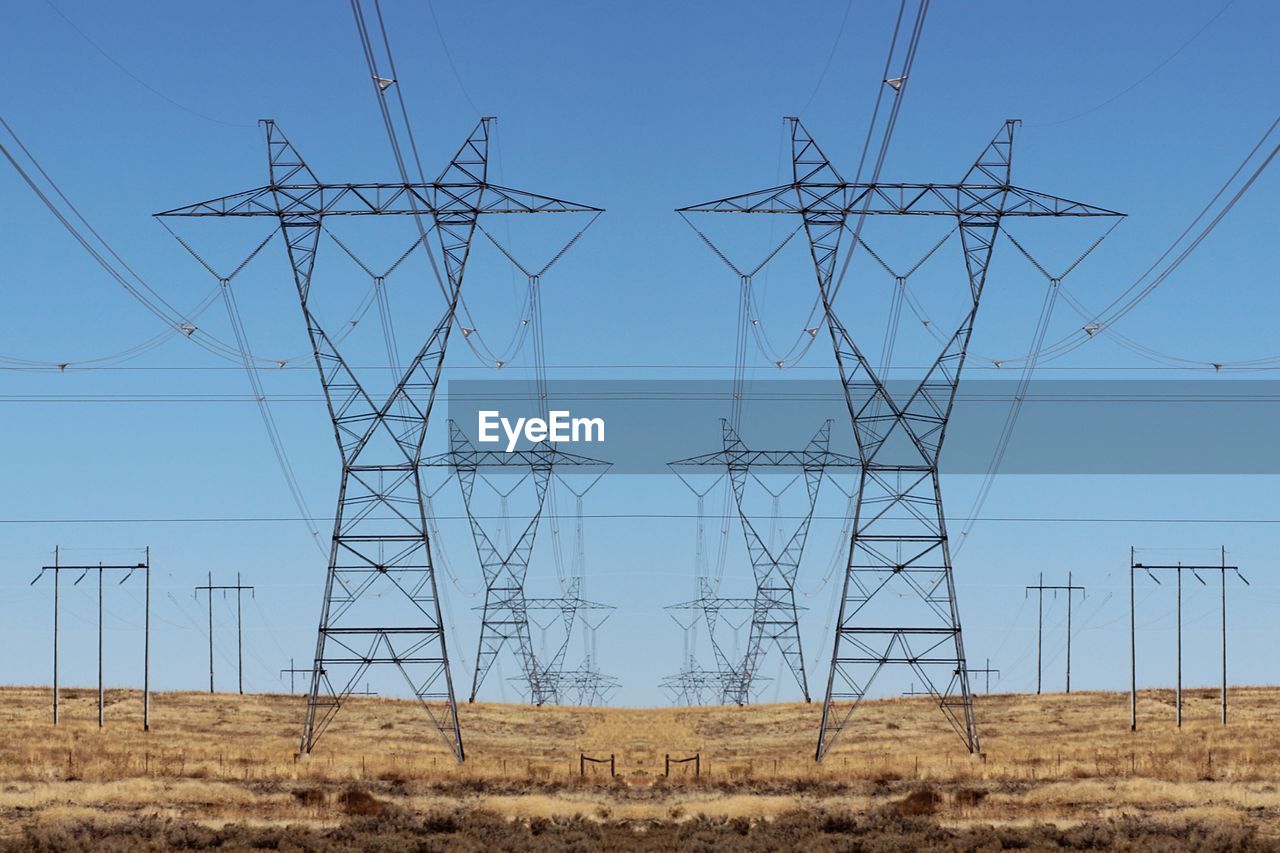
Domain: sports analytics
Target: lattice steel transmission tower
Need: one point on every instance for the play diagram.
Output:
(380, 602)
(693, 684)
(585, 685)
(774, 617)
(899, 551)
(504, 566)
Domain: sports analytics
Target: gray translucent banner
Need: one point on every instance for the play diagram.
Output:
(1140, 426)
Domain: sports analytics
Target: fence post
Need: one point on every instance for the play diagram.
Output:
(582, 764)
(667, 770)
(611, 766)
(697, 764)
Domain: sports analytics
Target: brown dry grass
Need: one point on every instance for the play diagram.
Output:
(218, 761)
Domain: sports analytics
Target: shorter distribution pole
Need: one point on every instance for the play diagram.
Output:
(1133, 653)
(56, 556)
(146, 651)
(1178, 698)
(100, 691)
(293, 670)
(101, 568)
(239, 588)
(1179, 567)
(1223, 574)
(1040, 588)
(986, 670)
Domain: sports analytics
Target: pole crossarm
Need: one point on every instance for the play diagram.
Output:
(381, 602)
(320, 199)
(899, 554)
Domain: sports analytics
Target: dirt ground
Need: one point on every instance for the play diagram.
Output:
(1057, 771)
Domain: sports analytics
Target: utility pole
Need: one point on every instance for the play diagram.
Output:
(293, 670)
(146, 650)
(101, 568)
(1040, 588)
(986, 670)
(1222, 568)
(239, 588)
(101, 693)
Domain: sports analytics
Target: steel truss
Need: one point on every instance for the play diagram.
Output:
(774, 616)
(585, 685)
(380, 557)
(899, 549)
(694, 685)
(506, 610)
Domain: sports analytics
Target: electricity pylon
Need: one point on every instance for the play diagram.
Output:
(380, 602)
(692, 684)
(568, 610)
(506, 611)
(773, 610)
(899, 553)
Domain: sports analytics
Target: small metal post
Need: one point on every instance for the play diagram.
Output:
(667, 770)
(611, 765)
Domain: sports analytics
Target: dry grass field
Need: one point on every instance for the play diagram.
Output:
(220, 772)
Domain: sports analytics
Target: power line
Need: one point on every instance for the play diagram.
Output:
(645, 515)
(134, 77)
(1145, 77)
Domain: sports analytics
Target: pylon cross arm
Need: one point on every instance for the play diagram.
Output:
(847, 199)
(324, 199)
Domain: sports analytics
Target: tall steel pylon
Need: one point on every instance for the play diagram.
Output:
(774, 617)
(505, 566)
(380, 601)
(899, 553)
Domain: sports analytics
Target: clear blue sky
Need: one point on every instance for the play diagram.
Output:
(638, 108)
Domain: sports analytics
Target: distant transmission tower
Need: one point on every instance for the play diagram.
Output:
(568, 611)
(774, 619)
(505, 565)
(694, 685)
(380, 603)
(899, 551)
